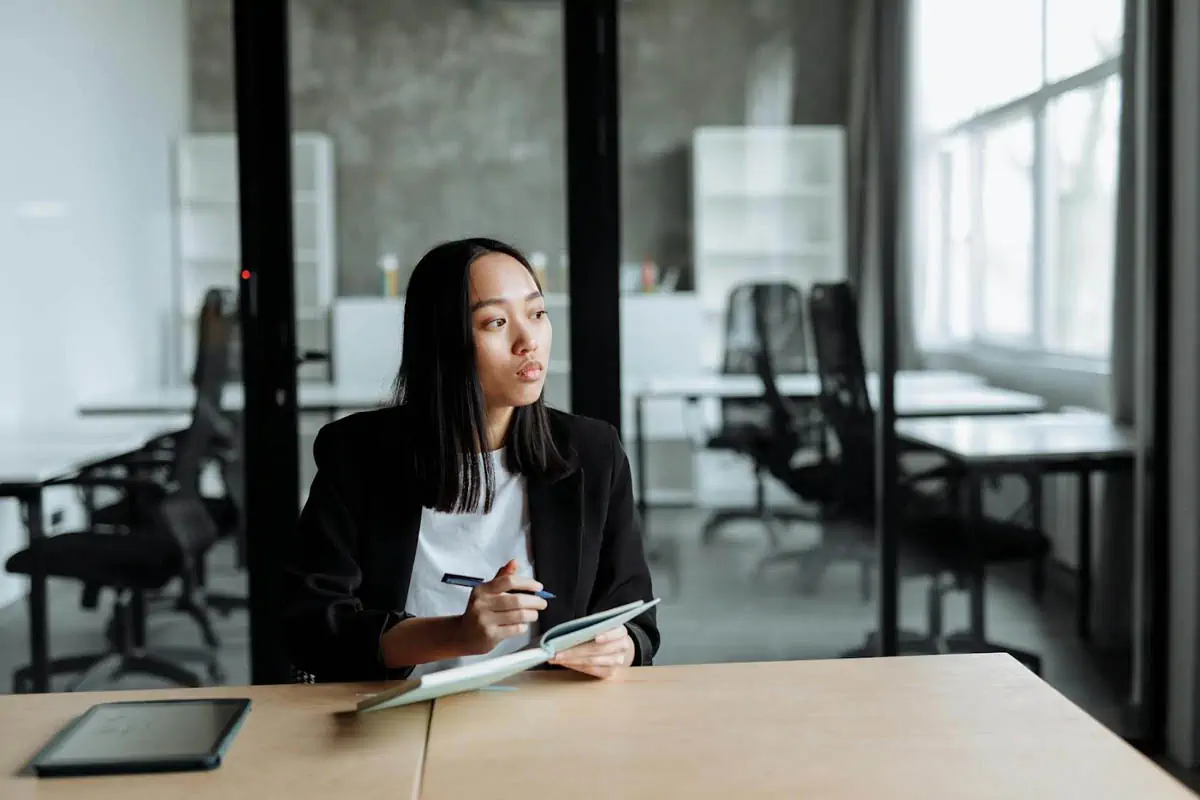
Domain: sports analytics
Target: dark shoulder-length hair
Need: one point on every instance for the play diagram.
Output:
(438, 385)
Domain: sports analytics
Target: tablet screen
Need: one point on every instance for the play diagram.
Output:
(175, 730)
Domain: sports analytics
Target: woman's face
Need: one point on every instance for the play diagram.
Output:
(512, 331)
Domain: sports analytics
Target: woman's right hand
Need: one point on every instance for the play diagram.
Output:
(494, 615)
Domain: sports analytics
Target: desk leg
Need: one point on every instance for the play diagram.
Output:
(639, 432)
(38, 614)
(974, 486)
(1083, 611)
(1037, 577)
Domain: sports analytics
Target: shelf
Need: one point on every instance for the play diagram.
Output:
(784, 193)
(303, 256)
(206, 205)
(792, 252)
(768, 204)
(302, 196)
(306, 314)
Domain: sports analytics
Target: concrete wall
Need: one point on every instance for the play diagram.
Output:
(85, 208)
(447, 116)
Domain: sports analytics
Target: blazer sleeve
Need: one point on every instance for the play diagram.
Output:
(623, 575)
(327, 630)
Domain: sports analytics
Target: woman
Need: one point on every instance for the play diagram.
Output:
(468, 473)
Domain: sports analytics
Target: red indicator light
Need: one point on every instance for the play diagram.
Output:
(245, 274)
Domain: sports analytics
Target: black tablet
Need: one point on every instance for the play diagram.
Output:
(144, 736)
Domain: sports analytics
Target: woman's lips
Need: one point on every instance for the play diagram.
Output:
(530, 372)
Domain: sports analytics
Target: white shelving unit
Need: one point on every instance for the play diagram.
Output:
(768, 204)
(209, 254)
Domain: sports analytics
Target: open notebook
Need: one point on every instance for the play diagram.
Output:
(482, 673)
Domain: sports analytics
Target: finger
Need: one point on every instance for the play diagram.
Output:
(510, 583)
(508, 569)
(508, 631)
(602, 673)
(615, 635)
(516, 617)
(586, 653)
(597, 661)
(510, 602)
(589, 649)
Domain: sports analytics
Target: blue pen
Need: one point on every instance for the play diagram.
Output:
(471, 583)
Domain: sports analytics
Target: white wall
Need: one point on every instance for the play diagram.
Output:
(94, 92)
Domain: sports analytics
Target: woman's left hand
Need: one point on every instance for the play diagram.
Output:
(602, 657)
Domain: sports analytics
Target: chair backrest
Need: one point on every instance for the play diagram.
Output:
(182, 515)
(781, 416)
(215, 335)
(759, 315)
(197, 444)
(844, 399)
(781, 307)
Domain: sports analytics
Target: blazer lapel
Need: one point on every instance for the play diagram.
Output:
(556, 528)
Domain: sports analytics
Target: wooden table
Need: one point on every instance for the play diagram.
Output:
(977, 726)
(954, 727)
(1032, 445)
(293, 743)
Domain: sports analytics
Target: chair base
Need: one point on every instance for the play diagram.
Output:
(816, 560)
(768, 518)
(226, 604)
(664, 553)
(912, 643)
(98, 670)
(126, 654)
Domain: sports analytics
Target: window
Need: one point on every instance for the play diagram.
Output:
(1017, 109)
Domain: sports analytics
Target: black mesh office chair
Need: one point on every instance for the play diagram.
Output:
(814, 480)
(746, 422)
(167, 536)
(934, 539)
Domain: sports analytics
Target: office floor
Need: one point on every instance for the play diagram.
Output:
(718, 614)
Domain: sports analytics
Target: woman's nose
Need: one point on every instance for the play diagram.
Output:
(525, 344)
(525, 340)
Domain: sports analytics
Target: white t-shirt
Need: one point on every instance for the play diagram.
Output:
(475, 544)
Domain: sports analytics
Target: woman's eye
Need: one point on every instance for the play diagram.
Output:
(495, 323)
(539, 314)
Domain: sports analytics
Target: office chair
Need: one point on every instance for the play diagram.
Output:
(745, 423)
(813, 481)
(166, 540)
(935, 541)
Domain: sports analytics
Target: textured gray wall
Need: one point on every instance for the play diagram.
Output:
(447, 116)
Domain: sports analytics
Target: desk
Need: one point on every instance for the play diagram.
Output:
(974, 726)
(291, 744)
(329, 398)
(1031, 445)
(32, 456)
(977, 726)
(794, 385)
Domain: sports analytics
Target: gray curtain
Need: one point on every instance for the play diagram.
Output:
(1114, 545)
(863, 140)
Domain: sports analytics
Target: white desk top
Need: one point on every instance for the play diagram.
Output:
(38, 453)
(802, 385)
(1042, 437)
(180, 399)
(935, 401)
(940, 394)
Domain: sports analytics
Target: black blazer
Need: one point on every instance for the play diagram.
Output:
(347, 571)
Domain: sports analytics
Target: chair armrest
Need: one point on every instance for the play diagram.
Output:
(110, 482)
(942, 472)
